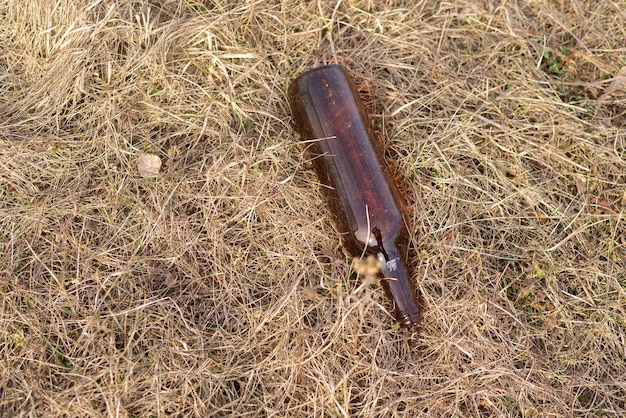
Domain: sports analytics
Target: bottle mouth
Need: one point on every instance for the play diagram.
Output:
(410, 319)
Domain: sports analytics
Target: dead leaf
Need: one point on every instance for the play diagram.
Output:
(148, 165)
(606, 207)
(617, 86)
(172, 153)
(581, 184)
(552, 320)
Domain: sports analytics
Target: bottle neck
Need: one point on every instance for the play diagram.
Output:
(397, 285)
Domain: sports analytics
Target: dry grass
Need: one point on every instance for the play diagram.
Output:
(219, 289)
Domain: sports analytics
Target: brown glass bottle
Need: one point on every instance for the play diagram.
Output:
(365, 205)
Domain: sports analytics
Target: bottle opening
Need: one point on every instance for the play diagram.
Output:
(411, 320)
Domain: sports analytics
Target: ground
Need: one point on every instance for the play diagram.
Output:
(165, 250)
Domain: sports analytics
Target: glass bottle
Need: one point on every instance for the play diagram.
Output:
(360, 194)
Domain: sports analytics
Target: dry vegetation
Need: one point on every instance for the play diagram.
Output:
(218, 288)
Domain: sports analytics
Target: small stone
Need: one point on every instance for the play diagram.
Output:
(148, 165)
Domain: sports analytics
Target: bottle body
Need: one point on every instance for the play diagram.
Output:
(362, 198)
